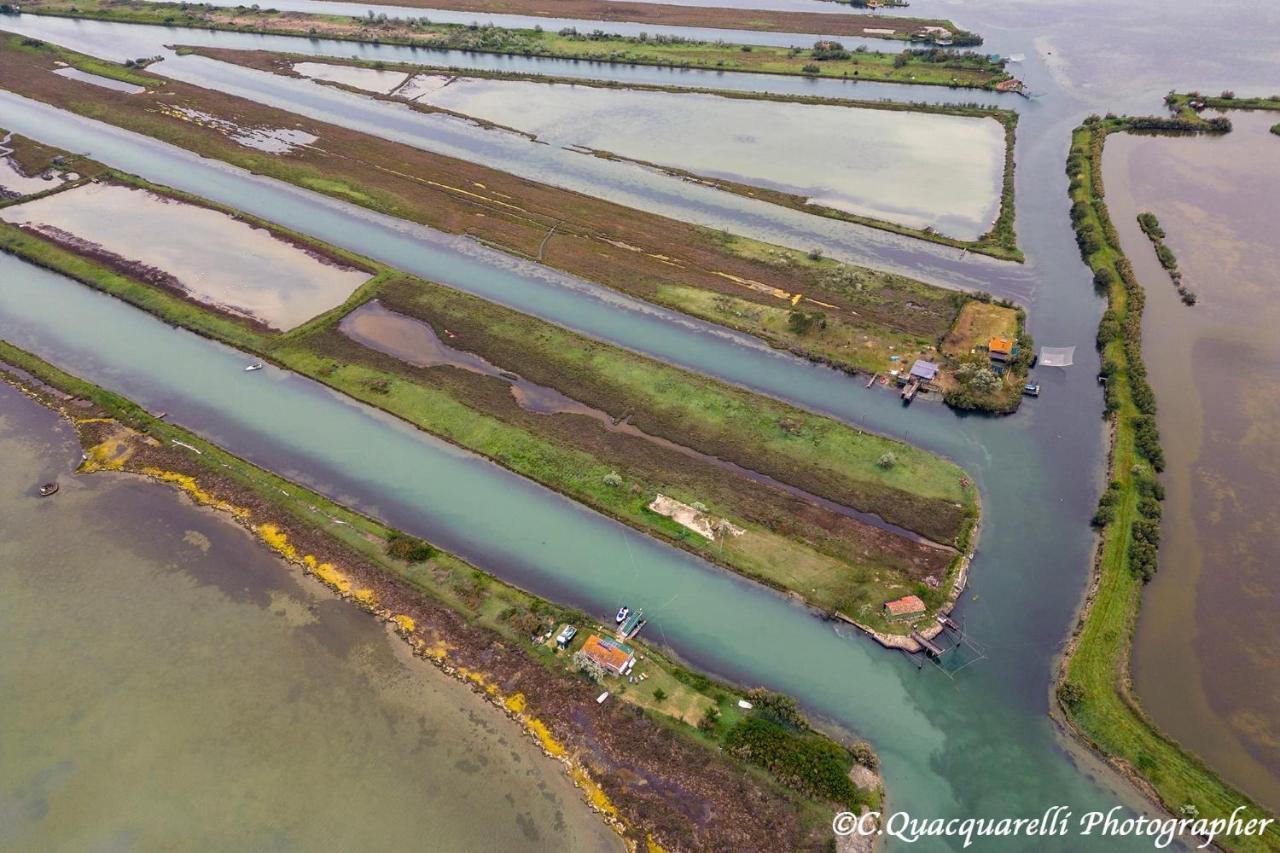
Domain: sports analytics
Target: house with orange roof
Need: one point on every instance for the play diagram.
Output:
(1002, 349)
(614, 656)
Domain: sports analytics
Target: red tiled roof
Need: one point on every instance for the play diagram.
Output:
(906, 605)
(611, 656)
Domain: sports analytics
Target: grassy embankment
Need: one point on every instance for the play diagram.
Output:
(671, 15)
(1150, 226)
(834, 562)
(478, 629)
(1000, 241)
(1180, 103)
(850, 317)
(1094, 693)
(933, 66)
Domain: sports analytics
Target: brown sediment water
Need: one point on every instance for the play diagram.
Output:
(157, 656)
(1206, 658)
(917, 169)
(415, 342)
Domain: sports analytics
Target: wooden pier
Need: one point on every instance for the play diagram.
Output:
(931, 648)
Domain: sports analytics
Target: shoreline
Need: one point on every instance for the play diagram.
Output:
(1092, 700)
(385, 597)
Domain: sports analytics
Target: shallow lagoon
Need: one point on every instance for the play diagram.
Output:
(912, 168)
(213, 258)
(1207, 641)
(169, 685)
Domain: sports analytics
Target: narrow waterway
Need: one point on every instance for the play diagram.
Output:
(1206, 660)
(167, 684)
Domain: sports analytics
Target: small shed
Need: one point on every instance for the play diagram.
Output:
(923, 370)
(907, 607)
(610, 654)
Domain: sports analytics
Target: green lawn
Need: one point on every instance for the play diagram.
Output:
(943, 68)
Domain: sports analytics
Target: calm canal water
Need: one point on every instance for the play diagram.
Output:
(979, 744)
(1207, 659)
(157, 657)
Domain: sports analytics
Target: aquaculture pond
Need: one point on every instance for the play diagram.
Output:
(919, 169)
(203, 253)
(158, 656)
(625, 183)
(1208, 641)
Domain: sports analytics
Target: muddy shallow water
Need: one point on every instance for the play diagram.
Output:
(911, 168)
(157, 657)
(208, 255)
(1207, 657)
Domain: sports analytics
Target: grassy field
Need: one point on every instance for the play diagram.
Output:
(926, 67)
(834, 562)
(450, 598)
(1093, 692)
(667, 14)
(977, 324)
(852, 317)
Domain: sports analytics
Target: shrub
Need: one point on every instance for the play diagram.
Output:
(887, 460)
(1147, 438)
(824, 50)
(409, 548)
(1071, 695)
(778, 707)
(710, 719)
(808, 762)
(659, 694)
(801, 323)
(613, 479)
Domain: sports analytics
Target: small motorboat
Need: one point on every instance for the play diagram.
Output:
(257, 365)
(623, 612)
(48, 489)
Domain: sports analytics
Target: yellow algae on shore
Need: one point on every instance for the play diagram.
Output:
(110, 454)
(189, 485)
(406, 623)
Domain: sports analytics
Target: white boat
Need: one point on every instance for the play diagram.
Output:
(257, 365)
(622, 614)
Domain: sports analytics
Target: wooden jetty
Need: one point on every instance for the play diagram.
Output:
(909, 392)
(931, 648)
